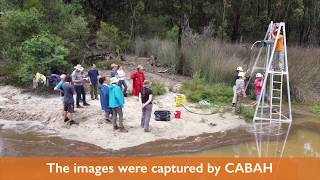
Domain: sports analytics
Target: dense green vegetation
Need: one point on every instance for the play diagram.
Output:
(197, 90)
(189, 37)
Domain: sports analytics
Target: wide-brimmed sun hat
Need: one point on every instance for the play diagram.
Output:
(259, 75)
(79, 67)
(139, 67)
(114, 80)
(239, 68)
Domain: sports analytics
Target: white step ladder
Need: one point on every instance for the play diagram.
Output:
(272, 120)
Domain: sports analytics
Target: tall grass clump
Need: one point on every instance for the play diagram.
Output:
(213, 60)
(164, 50)
(304, 68)
(158, 88)
(197, 90)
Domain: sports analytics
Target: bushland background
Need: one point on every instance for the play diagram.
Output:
(206, 39)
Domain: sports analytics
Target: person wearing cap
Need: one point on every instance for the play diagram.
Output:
(122, 80)
(145, 98)
(279, 51)
(258, 83)
(234, 99)
(138, 79)
(116, 103)
(77, 79)
(93, 74)
(59, 87)
(240, 90)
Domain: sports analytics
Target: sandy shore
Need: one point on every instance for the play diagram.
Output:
(27, 112)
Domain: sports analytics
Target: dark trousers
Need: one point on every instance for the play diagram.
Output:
(146, 115)
(80, 91)
(117, 112)
(94, 91)
(123, 86)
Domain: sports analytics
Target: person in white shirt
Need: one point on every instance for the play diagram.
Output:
(121, 75)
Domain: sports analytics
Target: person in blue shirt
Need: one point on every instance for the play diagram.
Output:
(116, 103)
(93, 74)
(104, 97)
(59, 87)
(68, 100)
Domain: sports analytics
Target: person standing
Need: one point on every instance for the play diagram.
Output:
(240, 90)
(78, 81)
(138, 79)
(104, 97)
(114, 69)
(279, 51)
(236, 76)
(116, 103)
(122, 82)
(146, 97)
(68, 100)
(93, 74)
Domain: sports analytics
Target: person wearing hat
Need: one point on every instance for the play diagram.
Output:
(122, 80)
(145, 98)
(116, 103)
(234, 99)
(138, 80)
(258, 83)
(77, 79)
(240, 90)
(279, 51)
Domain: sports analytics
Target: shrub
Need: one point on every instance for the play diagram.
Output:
(198, 89)
(247, 113)
(165, 50)
(17, 26)
(158, 88)
(316, 109)
(43, 53)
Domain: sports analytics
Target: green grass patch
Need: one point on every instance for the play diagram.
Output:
(316, 109)
(247, 113)
(198, 89)
(158, 88)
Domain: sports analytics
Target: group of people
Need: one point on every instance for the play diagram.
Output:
(112, 92)
(239, 87)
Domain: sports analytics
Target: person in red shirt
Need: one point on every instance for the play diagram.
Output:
(258, 83)
(138, 80)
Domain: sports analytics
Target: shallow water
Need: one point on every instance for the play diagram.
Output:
(303, 141)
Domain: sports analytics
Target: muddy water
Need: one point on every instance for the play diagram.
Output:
(303, 141)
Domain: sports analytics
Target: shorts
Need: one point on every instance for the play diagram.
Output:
(69, 107)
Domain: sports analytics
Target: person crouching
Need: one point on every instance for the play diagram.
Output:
(116, 103)
(145, 97)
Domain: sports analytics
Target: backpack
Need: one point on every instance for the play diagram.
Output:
(162, 115)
